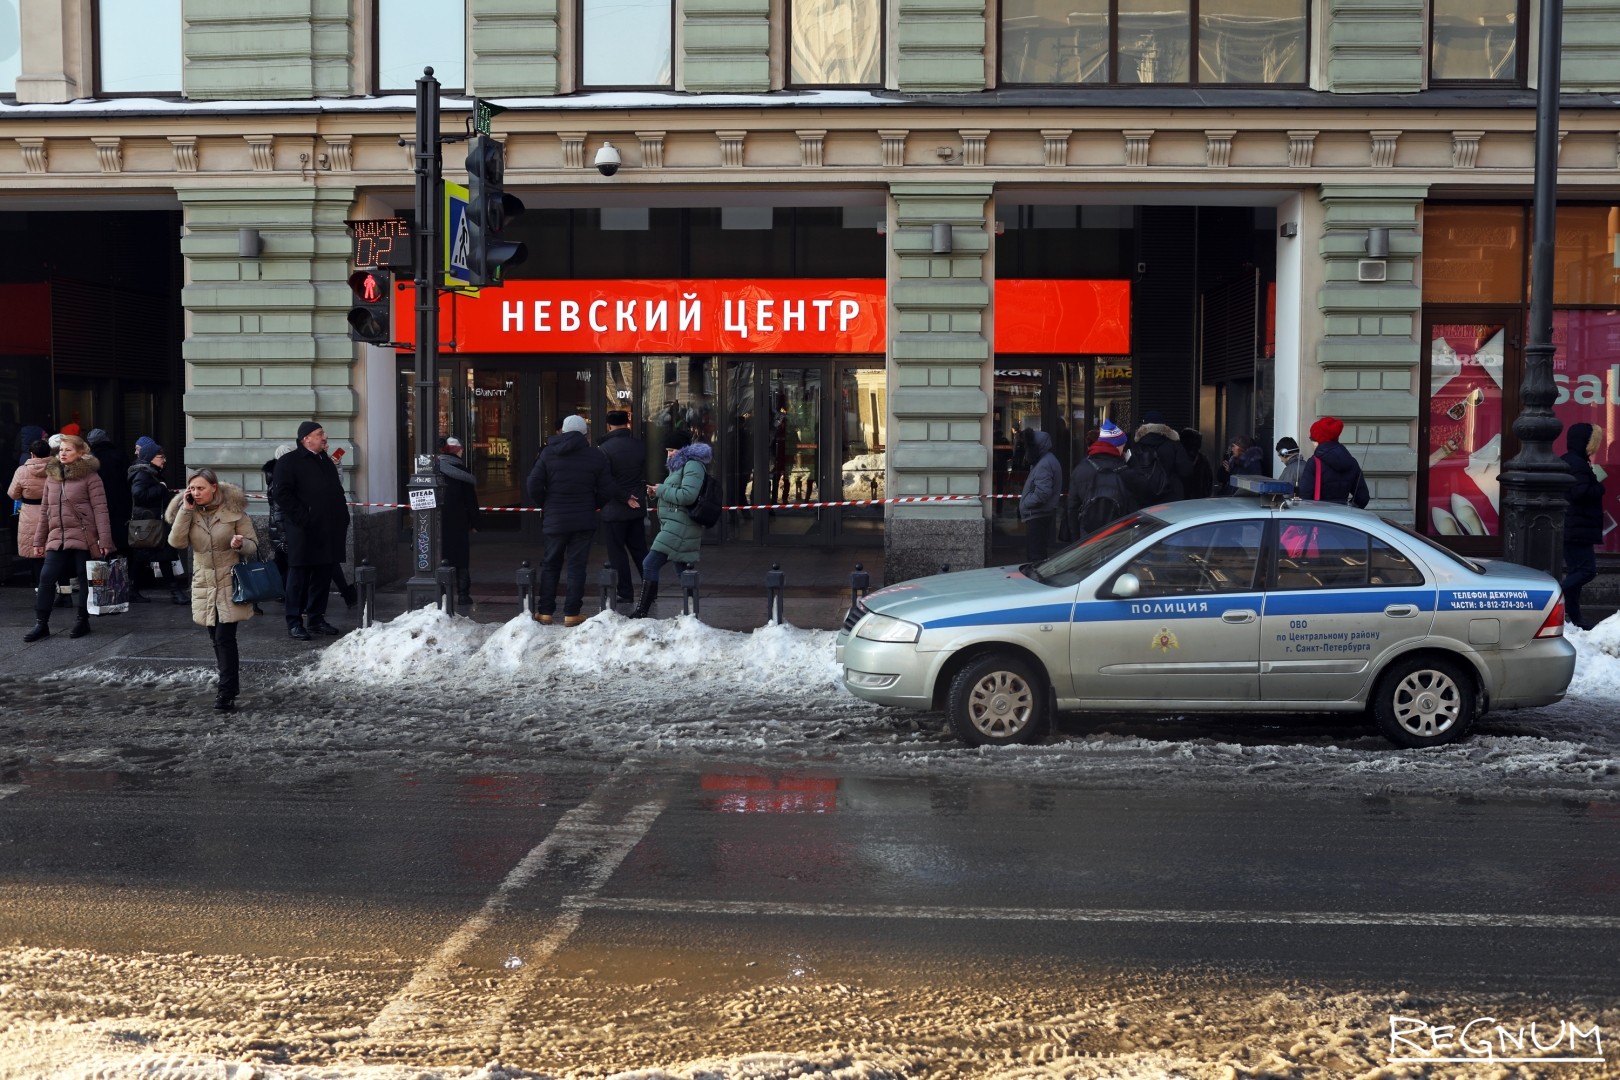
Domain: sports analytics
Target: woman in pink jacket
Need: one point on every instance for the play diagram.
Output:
(73, 528)
(28, 488)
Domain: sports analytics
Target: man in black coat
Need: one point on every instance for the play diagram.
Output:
(1156, 439)
(115, 478)
(625, 520)
(571, 481)
(458, 519)
(315, 519)
(1583, 520)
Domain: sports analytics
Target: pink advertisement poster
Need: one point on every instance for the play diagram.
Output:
(1586, 369)
(1465, 428)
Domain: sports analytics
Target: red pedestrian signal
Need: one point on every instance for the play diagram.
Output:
(371, 319)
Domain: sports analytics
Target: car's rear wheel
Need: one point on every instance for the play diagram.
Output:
(997, 700)
(1424, 701)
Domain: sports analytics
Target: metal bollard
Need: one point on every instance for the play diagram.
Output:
(609, 580)
(860, 582)
(945, 569)
(689, 592)
(775, 583)
(445, 578)
(525, 587)
(365, 581)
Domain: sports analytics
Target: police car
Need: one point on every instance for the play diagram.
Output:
(1256, 606)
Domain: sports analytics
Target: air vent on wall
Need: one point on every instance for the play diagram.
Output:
(1372, 270)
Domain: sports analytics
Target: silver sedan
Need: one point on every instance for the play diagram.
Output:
(1220, 606)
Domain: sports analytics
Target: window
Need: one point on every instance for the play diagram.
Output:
(626, 42)
(1235, 42)
(10, 47)
(1477, 41)
(138, 46)
(836, 43)
(414, 34)
(1218, 558)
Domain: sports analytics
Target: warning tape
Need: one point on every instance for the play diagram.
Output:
(740, 506)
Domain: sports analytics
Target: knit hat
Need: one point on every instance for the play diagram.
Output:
(306, 427)
(97, 436)
(450, 441)
(148, 452)
(1287, 447)
(142, 443)
(1153, 416)
(54, 441)
(577, 423)
(1327, 429)
(284, 449)
(1111, 434)
(70, 429)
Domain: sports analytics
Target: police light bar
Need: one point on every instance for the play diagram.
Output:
(1262, 485)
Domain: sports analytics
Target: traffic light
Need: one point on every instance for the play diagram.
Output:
(488, 209)
(370, 320)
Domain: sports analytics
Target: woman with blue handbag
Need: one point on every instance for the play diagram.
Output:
(211, 519)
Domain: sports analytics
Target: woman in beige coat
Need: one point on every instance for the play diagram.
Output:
(211, 519)
(28, 488)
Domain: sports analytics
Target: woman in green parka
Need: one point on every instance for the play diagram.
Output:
(679, 539)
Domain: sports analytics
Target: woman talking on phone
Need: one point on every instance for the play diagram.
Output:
(211, 519)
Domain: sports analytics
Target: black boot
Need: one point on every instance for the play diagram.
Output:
(81, 627)
(649, 594)
(42, 629)
(464, 587)
(178, 595)
(138, 597)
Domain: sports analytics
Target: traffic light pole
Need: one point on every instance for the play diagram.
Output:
(426, 487)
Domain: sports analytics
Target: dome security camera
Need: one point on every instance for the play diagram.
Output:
(607, 160)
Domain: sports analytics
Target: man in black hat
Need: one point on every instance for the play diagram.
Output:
(625, 519)
(315, 519)
(459, 518)
(1293, 464)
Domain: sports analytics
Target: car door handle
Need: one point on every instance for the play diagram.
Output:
(1402, 611)
(1238, 615)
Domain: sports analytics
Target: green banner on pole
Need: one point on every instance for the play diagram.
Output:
(483, 113)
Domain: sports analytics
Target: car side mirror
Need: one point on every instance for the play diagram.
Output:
(1127, 586)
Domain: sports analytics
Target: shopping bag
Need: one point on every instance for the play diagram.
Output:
(254, 582)
(145, 532)
(109, 585)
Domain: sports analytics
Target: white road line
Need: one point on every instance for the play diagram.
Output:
(1461, 919)
(9, 789)
(578, 839)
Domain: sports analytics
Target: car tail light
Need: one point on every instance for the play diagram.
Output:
(1554, 626)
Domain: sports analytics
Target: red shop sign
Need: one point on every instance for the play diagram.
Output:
(788, 315)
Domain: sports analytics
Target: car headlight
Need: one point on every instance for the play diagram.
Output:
(887, 628)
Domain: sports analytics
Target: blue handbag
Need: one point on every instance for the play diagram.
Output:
(255, 581)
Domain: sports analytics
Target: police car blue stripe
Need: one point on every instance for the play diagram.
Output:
(1346, 601)
(1042, 613)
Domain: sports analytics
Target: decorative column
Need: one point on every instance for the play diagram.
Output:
(939, 376)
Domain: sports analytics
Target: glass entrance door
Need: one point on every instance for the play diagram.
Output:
(492, 431)
(862, 465)
(792, 436)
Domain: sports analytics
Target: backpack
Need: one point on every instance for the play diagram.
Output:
(1108, 503)
(705, 509)
(1157, 483)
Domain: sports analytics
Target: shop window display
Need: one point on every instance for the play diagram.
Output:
(1465, 428)
(1586, 370)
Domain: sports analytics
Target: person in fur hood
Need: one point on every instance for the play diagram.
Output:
(73, 527)
(211, 519)
(1158, 439)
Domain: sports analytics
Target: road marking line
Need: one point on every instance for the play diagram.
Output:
(9, 789)
(578, 838)
(1459, 919)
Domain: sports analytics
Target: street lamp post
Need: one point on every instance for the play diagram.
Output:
(426, 485)
(1535, 481)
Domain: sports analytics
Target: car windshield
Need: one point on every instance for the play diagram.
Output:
(1073, 564)
(1432, 545)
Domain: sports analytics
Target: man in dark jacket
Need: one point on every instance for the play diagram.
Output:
(625, 520)
(1038, 504)
(571, 481)
(1156, 439)
(1201, 480)
(1583, 521)
(458, 519)
(315, 519)
(1342, 479)
(149, 496)
(1102, 488)
(114, 469)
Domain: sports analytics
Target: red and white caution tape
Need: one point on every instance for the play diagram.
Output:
(740, 506)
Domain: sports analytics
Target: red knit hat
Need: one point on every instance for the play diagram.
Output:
(70, 428)
(1327, 429)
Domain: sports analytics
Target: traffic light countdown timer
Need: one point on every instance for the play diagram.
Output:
(384, 242)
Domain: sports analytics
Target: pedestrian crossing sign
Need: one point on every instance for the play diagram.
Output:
(457, 238)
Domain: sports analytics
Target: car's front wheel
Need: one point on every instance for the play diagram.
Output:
(1424, 701)
(998, 700)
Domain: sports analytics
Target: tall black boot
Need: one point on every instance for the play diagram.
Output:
(649, 594)
(42, 628)
(228, 664)
(81, 626)
(464, 586)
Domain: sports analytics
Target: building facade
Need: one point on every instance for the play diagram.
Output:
(1240, 214)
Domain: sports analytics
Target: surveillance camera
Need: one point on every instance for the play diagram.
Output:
(607, 160)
